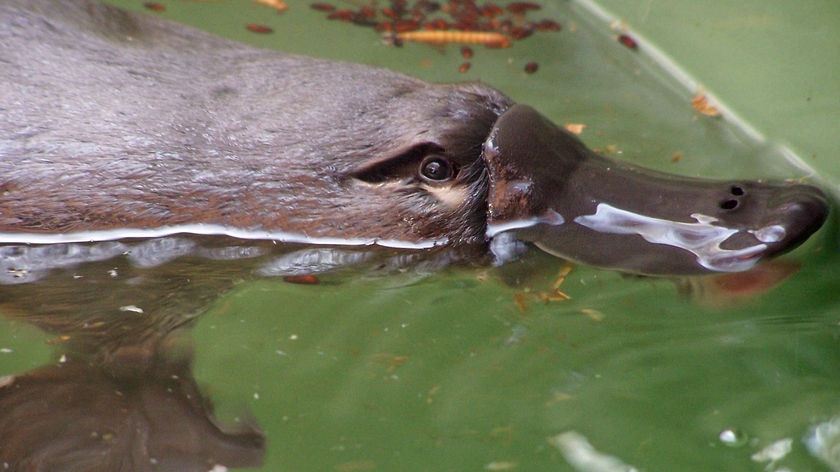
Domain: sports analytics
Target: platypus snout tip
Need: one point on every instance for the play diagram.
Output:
(799, 212)
(591, 209)
(780, 217)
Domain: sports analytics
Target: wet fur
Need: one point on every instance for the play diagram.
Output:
(114, 119)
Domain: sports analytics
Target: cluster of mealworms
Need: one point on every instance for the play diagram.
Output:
(466, 22)
(441, 23)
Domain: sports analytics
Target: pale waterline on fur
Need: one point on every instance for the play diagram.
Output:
(212, 230)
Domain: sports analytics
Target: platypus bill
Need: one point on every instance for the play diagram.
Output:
(122, 125)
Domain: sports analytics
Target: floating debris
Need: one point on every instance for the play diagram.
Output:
(628, 41)
(823, 442)
(733, 437)
(520, 8)
(521, 300)
(261, 29)
(441, 23)
(278, 5)
(464, 16)
(774, 452)
(488, 39)
(575, 128)
(501, 465)
(592, 313)
(547, 25)
(326, 7)
(154, 6)
(531, 67)
(57, 340)
(583, 457)
(555, 295)
(701, 103)
(518, 333)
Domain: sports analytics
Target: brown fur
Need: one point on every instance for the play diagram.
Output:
(119, 120)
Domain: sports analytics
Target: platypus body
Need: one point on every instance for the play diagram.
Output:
(118, 125)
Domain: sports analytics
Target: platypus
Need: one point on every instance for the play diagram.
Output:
(120, 125)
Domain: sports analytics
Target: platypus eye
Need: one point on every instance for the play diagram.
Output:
(422, 162)
(436, 168)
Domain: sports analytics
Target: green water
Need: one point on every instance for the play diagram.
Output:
(466, 368)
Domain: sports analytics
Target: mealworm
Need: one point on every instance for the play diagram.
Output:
(489, 39)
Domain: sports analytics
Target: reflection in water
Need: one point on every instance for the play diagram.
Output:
(122, 396)
(143, 412)
(731, 289)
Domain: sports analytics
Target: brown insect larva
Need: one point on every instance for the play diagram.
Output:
(547, 25)
(255, 28)
(491, 10)
(326, 7)
(521, 32)
(628, 41)
(522, 7)
(342, 15)
(489, 39)
(154, 6)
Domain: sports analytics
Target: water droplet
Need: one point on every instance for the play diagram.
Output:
(733, 437)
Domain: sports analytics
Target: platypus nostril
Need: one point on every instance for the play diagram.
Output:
(733, 203)
(730, 204)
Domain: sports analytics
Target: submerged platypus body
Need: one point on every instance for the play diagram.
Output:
(121, 125)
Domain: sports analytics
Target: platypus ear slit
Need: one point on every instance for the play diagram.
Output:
(402, 165)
